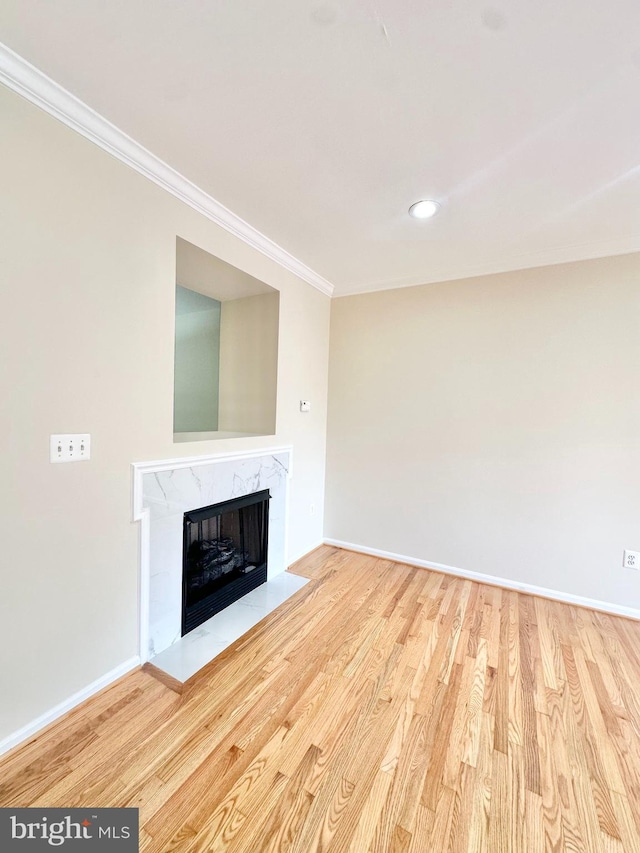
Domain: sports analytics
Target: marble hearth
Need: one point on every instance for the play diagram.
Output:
(162, 492)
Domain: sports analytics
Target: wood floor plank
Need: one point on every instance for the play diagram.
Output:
(422, 830)
(443, 819)
(500, 818)
(534, 823)
(501, 704)
(471, 734)
(579, 835)
(527, 673)
(370, 815)
(517, 799)
(490, 629)
(463, 809)
(384, 709)
(592, 791)
(547, 645)
(554, 841)
(287, 813)
(432, 789)
(628, 829)
(514, 718)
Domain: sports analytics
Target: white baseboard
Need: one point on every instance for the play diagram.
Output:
(494, 580)
(69, 704)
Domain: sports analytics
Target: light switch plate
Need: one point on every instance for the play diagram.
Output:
(68, 447)
(305, 406)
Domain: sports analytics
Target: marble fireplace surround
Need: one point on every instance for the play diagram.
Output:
(163, 491)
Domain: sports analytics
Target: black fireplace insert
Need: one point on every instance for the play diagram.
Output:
(224, 555)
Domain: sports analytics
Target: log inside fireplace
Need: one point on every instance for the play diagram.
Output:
(224, 555)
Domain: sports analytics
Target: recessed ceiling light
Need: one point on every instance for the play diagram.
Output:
(424, 209)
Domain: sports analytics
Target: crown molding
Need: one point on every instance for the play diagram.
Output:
(26, 80)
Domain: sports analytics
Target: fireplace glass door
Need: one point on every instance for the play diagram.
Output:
(224, 555)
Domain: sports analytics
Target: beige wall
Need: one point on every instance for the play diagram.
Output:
(88, 283)
(248, 363)
(493, 425)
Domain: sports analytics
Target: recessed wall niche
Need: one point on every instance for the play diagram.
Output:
(226, 349)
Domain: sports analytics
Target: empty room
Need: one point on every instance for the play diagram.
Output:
(321, 514)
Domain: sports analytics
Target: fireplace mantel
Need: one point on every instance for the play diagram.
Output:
(163, 491)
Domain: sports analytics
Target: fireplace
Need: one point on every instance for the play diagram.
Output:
(224, 555)
(163, 491)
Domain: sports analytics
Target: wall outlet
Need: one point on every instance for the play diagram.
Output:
(70, 448)
(631, 560)
(312, 509)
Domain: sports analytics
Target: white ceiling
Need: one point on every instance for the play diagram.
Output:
(320, 122)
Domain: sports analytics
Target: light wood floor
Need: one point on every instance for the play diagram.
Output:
(383, 709)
